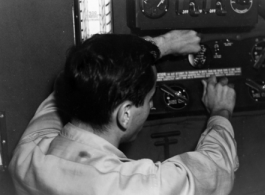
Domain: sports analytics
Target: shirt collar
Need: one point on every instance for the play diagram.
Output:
(86, 137)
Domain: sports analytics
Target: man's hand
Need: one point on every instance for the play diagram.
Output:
(218, 97)
(177, 42)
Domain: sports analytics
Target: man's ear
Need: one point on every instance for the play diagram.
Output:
(124, 115)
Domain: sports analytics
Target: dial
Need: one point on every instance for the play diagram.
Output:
(257, 90)
(241, 6)
(154, 8)
(199, 60)
(176, 97)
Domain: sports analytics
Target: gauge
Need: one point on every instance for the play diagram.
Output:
(256, 90)
(199, 60)
(175, 97)
(241, 6)
(154, 8)
(257, 50)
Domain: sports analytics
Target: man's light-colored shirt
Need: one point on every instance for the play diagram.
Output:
(54, 160)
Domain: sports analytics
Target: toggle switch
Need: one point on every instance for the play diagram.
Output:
(260, 60)
(220, 10)
(193, 8)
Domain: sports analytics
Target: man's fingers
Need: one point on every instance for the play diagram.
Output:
(224, 81)
(231, 85)
(204, 82)
(212, 80)
(195, 48)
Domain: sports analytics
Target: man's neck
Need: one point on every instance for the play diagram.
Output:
(109, 134)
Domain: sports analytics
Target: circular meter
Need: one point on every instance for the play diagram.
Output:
(257, 51)
(175, 102)
(257, 94)
(241, 6)
(199, 60)
(154, 8)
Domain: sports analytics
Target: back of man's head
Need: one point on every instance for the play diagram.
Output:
(103, 72)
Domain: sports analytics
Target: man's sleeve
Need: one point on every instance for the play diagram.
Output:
(209, 169)
(45, 121)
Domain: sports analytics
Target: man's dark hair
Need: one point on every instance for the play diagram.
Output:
(103, 72)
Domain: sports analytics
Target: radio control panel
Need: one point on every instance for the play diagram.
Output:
(179, 88)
